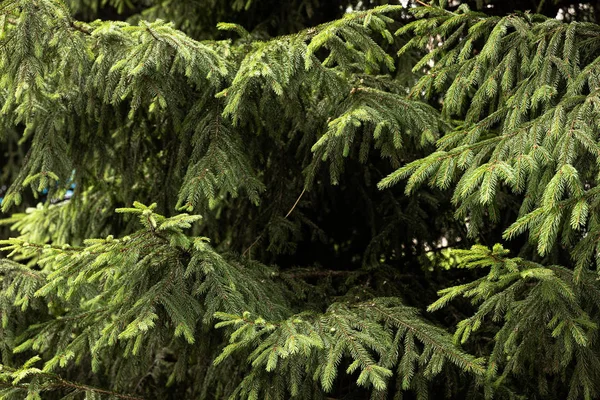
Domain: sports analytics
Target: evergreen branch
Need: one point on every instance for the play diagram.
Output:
(497, 112)
(456, 357)
(57, 382)
(60, 382)
(81, 27)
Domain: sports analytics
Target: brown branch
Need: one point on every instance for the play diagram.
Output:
(422, 3)
(295, 204)
(80, 26)
(77, 386)
(316, 273)
(63, 383)
(152, 33)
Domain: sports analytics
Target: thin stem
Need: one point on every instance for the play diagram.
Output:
(78, 386)
(317, 274)
(63, 383)
(422, 3)
(286, 215)
(252, 245)
(295, 204)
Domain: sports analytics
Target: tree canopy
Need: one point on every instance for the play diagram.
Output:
(299, 199)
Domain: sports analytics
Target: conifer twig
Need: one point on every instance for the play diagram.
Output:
(422, 3)
(60, 382)
(78, 386)
(317, 273)
(428, 337)
(79, 26)
(253, 243)
(295, 204)
(286, 215)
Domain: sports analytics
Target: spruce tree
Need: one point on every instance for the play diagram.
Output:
(299, 199)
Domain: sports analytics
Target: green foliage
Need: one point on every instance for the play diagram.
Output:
(536, 307)
(312, 185)
(179, 284)
(526, 97)
(381, 336)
